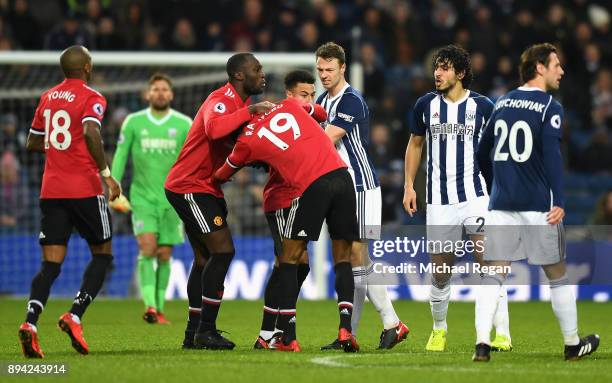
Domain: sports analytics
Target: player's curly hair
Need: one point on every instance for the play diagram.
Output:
(298, 76)
(531, 57)
(459, 59)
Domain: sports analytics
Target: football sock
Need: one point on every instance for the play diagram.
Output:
(213, 277)
(359, 296)
(486, 304)
(563, 301)
(93, 278)
(288, 297)
(501, 321)
(271, 304)
(439, 295)
(146, 279)
(377, 294)
(39, 292)
(194, 295)
(345, 288)
(163, 277)
(302, 272)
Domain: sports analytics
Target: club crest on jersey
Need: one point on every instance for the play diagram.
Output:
(555, 121)
(218, 221)
(172, 132)
(219, 107)
(98, 109)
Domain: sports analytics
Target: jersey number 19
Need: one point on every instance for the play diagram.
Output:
(280, 124)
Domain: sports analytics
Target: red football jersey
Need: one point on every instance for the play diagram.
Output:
(277, 193)
(70, 170)
(208, 143)
(289, 141)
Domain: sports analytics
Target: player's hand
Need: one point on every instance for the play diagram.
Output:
(555, 215)
(410, 203)
(121, 204)
(261, 107)
(114, 188)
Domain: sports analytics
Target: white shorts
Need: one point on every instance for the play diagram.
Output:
(369, 210)
(448, 222)
(516, 235)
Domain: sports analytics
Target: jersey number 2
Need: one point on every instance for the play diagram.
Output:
(501, 128)
(288, 122)
(54, 125)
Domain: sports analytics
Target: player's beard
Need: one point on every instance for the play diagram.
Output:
(254, 88)
(159, 107)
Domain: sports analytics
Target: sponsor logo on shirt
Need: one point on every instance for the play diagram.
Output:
(346, 117)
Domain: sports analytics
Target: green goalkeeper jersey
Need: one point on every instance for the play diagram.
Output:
(154, 145)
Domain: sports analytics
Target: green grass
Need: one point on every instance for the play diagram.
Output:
(125, 348)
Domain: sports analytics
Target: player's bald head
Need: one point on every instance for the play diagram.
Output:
(75, 61)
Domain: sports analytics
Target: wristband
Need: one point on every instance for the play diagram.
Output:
(105, 172)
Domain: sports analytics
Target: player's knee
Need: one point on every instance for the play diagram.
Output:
(441, 281)
(164, 253)
(102, 248)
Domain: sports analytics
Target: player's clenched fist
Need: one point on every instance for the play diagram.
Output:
(261, 107)
(114, 189)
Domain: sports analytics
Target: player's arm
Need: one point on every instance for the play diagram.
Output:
(95, 146)
(218, 123)
(124, 146)
(316, 111)
(483, 153)
(412, 161)
(36, 137)
(349, 112)
(553, 162)
(36, 142)
(234, 162)
(412, 158)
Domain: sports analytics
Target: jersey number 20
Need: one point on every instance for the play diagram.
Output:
(501, 129)
(54, 125)
(288, 122)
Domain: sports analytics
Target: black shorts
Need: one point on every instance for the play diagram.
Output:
(200, 212)
(330, 197)
(90, 216)
(276, 223)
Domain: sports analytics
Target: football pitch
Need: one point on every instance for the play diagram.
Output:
(125, 348)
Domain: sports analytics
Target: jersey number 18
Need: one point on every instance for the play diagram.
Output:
(54, 125)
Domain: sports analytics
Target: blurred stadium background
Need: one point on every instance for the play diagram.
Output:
(389, 43)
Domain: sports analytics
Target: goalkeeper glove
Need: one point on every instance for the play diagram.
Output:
(121, 204)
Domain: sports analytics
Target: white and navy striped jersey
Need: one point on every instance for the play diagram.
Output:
(453, 130)
(348, 110)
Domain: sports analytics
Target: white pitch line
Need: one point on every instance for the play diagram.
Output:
(333, 362)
